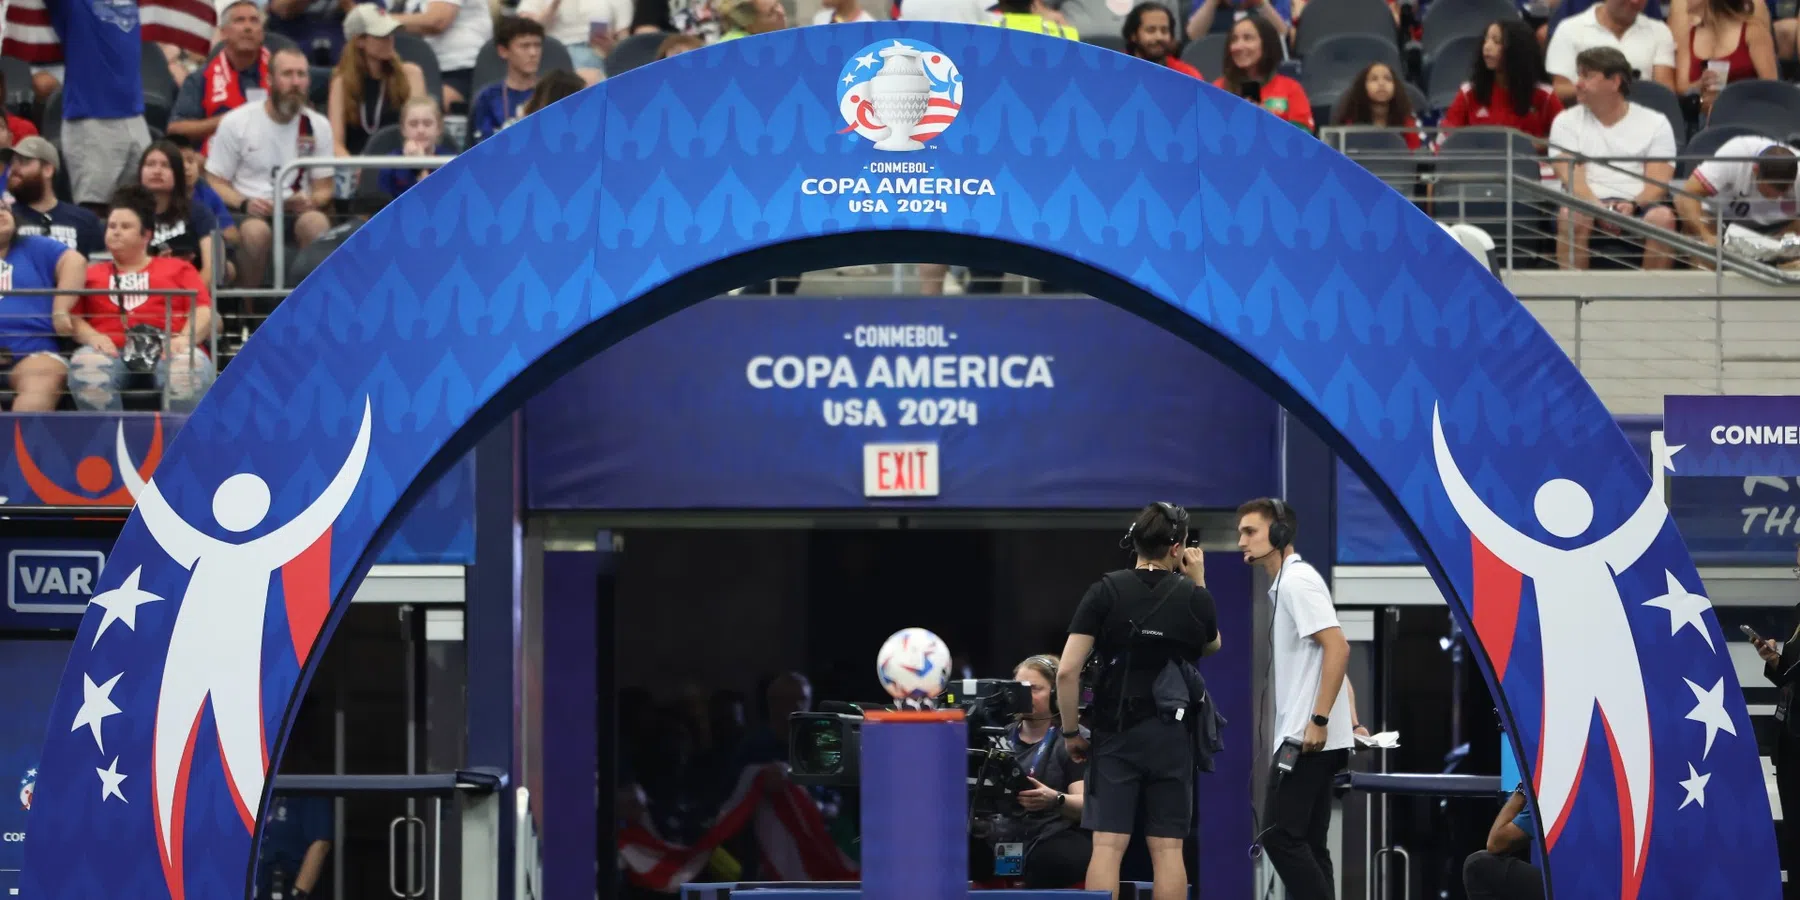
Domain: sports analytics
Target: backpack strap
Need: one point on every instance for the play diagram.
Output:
(1164, 590)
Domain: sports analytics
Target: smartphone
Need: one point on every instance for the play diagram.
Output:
(1751, 634)
(1287, 755)
(1251, 91)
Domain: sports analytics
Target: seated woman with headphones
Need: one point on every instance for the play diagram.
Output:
(1045, 837)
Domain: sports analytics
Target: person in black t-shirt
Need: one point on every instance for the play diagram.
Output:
(184, 228)
(1044, 834)
(1136, 621)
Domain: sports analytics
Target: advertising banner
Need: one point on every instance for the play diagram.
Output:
(69, 459)
(29, 670)
(49, 581)
(1738, 436)
(822, 403)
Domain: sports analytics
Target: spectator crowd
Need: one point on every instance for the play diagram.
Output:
(213, 125)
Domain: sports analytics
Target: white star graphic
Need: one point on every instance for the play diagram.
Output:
(865, 61)
(1662, 452)
(96, 705)
(1684, 609)
(849, 79)
(30, 773)
(121, 604)
(1695, 785)
(1709, 710)
(110, 780)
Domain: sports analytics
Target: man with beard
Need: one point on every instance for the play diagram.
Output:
(251, 144)
(33, 163)
(1150, 34)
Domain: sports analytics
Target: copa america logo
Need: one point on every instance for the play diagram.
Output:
(27, 787)
(899, 94)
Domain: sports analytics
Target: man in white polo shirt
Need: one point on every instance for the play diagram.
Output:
(1620, 24)
(1612, 152)
(1312, 709)
(256, 140)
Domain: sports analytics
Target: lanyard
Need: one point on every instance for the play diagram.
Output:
(1043, 747)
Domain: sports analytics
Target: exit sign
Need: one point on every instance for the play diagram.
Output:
(900, 470)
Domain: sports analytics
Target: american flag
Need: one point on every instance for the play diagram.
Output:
(188, 24)
(790, 833)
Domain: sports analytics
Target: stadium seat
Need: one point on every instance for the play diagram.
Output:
(413, 49)
(634, 51)
(1114, 42)
(1335, 61)
(1706, 143)
(1207, 54)
(369, 195)
(1386, 156)
(159, 86)
(1472, 176)
(19, 95)
(1325, 21)
(303, 263)
(1420, 103)
(491, 69)
(1771, 107)
(1448, 20)
(1657, 97)
(51, 126)
(1446, 72)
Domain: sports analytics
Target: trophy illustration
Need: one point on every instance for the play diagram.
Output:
(900, 92)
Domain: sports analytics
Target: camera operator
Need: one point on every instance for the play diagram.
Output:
(1137, 622)
(1043, 836)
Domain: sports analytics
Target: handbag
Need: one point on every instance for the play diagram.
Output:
(143, 347)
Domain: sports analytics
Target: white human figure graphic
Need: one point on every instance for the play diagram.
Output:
(215, 648)
(1590, 659)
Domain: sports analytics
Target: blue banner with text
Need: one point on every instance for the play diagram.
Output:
(821, 403)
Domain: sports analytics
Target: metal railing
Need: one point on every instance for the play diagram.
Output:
(278, 254)
(131, 387)
(1509, 190)
(1509, 187)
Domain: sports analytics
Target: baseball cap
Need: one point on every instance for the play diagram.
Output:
(34, 147)
(224, 6)
(369, 19)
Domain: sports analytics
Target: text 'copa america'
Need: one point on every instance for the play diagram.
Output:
(942, 372)
(926, 187)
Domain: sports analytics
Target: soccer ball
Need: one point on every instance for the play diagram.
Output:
(914, 664)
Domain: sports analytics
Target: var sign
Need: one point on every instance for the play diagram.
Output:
(900, 470)
(52, 581)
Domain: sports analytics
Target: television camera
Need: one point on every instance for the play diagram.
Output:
(825, 747)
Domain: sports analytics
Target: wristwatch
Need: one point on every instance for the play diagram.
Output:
(1061, 798)
(1321, 721)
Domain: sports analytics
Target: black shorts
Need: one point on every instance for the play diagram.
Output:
(462, 81)
(1150, 766)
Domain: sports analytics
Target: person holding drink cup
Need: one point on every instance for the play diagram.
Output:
(1718, 42)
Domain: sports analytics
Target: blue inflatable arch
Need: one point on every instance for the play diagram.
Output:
(766, 156)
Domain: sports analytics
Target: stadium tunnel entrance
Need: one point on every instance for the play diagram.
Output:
(428, 330)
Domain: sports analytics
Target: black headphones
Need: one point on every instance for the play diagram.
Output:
(1281, 534)
(1176, 516)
